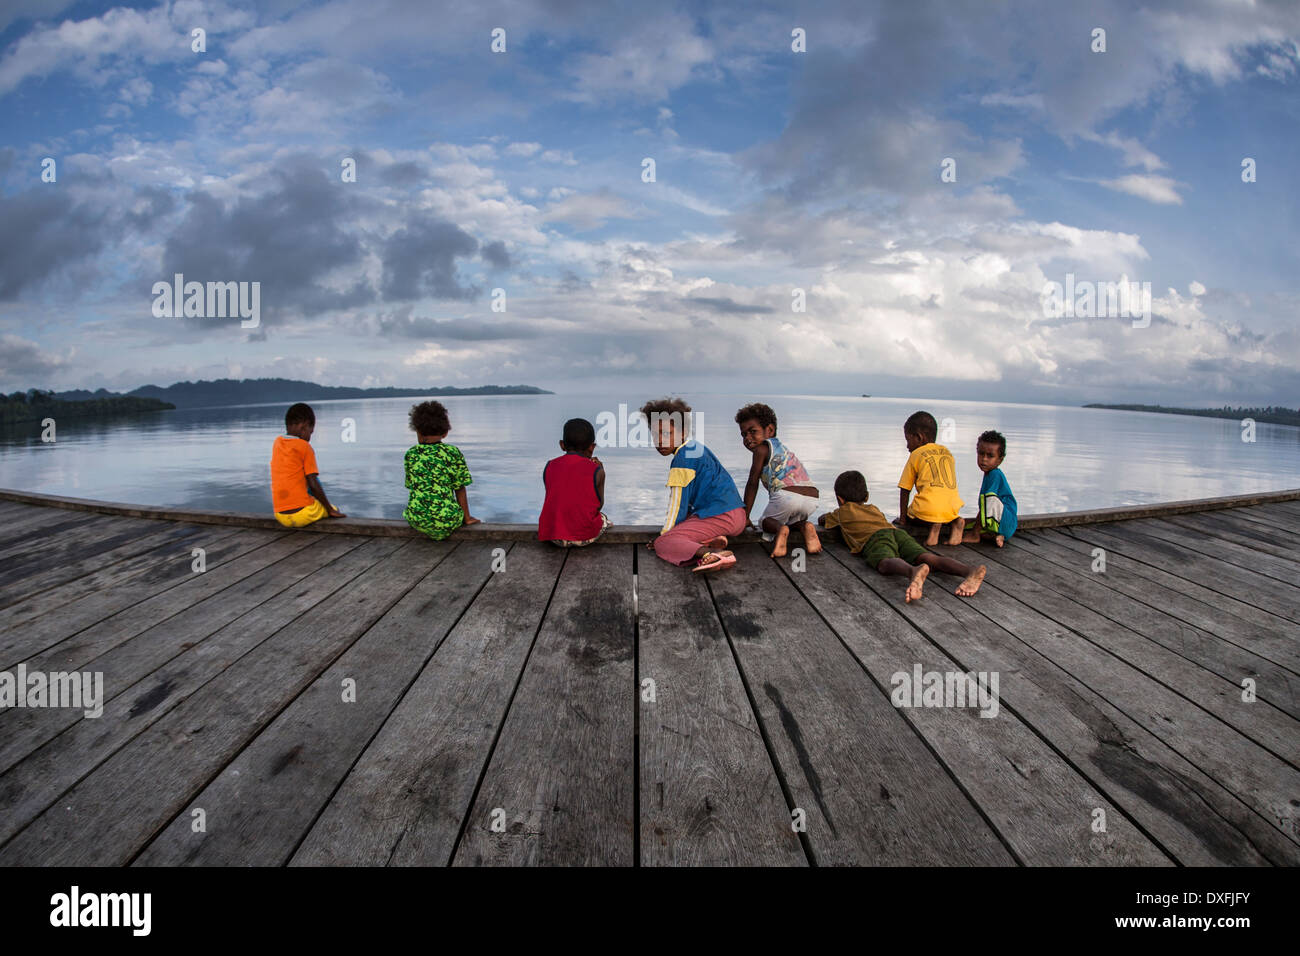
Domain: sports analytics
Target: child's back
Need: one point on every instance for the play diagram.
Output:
(575, 489)
(436, 475)
(932, 471)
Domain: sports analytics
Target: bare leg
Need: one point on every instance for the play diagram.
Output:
(954, 536)
(780, 546)
(973, 576)
(932, 538)
(810, 539)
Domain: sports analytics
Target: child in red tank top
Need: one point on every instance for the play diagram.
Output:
(575, 490)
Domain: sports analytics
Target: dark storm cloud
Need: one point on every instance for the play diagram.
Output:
(45, 232)
(291, 238)
(495, 255)
(420, 260)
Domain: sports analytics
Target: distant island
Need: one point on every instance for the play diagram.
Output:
(35, 405)
(1272, 414)
(254, 391)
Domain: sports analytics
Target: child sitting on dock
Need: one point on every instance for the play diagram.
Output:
(932, 471)
(997, 516)
(436, 474)
(791, 497)
(296, 492)
(888, 549)
(575, 490)
(703, 504)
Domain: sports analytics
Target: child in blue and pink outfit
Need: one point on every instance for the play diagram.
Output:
(703, 504)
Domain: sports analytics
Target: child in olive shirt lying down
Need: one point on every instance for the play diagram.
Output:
(888, 549)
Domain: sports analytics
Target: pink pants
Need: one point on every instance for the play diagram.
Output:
(681, 542)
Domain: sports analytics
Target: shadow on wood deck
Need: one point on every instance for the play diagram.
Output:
(376, 699)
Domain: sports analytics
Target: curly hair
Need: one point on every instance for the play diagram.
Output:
(923, 425)
(430, 418)
(991, 437)
(299, 413)
(757, 412)
(665, 406)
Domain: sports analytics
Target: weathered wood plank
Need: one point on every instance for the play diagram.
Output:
(25, 534)
(710, 795)
(1187, 812)
(48, 543)
(28, 640)
(1250, 559)
(263, 802)
(404, 801)
(28, 789)
(1040, 804)
(1244, 624)
(872, 791)
(1193, 568)
(1261, 779)
(92, 597)
(1086, 606)
(111, 813)
(1250, 534)
(129, 661)
(58, 565)
(562, 769)
(1219, 642)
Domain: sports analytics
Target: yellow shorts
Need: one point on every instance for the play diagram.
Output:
(303, 516)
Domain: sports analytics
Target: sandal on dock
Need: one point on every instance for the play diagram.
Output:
(712, 560)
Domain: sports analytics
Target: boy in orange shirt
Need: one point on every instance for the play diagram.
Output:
(932, 471)
(296, 493)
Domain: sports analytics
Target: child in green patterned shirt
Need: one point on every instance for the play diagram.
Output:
(436, 474)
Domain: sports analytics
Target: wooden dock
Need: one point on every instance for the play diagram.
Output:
(368, 697)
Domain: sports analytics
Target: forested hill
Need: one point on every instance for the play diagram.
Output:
(1273, 414)
(226, 391)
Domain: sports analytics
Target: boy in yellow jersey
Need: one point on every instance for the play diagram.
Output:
(931, 470)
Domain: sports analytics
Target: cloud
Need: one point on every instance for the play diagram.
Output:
(420, 260)
(22, 360)
(1156, 189)
(728, 306)
(495, 254)
(523, 149)
(587, 211)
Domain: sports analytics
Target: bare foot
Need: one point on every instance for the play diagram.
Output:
(972, 582)
(1001, 541)
(782, 539)
(714, 544)
(954, 536)
(933, 537)
(810, 539)
(915, 585)
(469, 520)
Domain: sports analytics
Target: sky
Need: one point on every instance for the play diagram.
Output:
(914, 175)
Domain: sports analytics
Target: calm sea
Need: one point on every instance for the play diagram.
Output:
(1058, 458)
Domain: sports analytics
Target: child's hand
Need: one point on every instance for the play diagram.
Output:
(335, 513)
(469, 520)
(595, 459)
